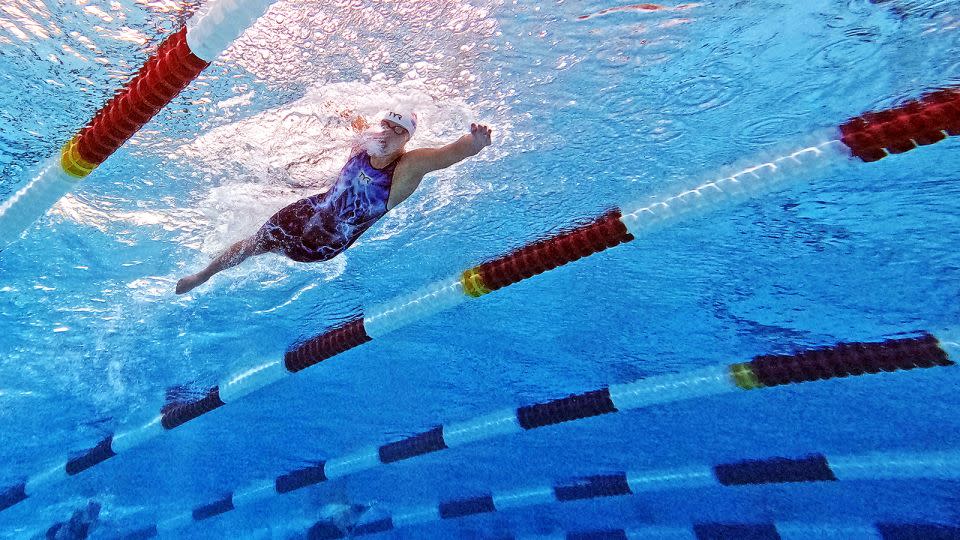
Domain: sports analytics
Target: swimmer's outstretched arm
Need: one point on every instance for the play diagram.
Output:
(426, 160)
(417, 163)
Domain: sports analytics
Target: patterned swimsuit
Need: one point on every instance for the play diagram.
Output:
(320, 227)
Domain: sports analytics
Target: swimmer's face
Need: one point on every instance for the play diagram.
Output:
(391, 138)
(388, 139)
(395, 129)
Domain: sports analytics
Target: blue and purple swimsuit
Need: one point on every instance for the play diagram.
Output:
(322, 226)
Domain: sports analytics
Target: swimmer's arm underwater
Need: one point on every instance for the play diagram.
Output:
(417, 163)
(427, 160)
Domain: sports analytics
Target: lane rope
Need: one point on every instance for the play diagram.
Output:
(176, 63)
(764, 371)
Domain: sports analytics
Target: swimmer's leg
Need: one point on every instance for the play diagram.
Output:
(234, 255)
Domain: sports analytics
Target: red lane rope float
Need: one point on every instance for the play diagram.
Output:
(872, 136)
(160, 80)
(845, 359)
(601, 234)
(332, 343)
(181, 414)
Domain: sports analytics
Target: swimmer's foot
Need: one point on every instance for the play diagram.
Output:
(189, 283)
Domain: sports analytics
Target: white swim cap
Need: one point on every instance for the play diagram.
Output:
(407, 119)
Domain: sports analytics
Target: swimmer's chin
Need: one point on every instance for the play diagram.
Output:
(377, 148)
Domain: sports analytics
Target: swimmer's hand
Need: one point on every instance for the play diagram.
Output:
(480, 136)
(357, 122)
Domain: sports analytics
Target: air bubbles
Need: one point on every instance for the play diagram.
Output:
(383, 39)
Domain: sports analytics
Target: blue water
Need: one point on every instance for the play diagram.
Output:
(587, 114)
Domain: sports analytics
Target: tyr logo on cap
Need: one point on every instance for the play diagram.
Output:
(408, 121)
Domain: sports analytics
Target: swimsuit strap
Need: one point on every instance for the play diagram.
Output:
(388, 169)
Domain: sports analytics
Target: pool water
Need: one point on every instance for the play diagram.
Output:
(593, 105)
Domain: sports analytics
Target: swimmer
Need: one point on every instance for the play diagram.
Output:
(379, 175)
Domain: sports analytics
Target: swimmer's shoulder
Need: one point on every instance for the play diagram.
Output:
(414, 164)
(406, 179)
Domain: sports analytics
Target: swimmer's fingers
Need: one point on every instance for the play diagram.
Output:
(481, 133)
